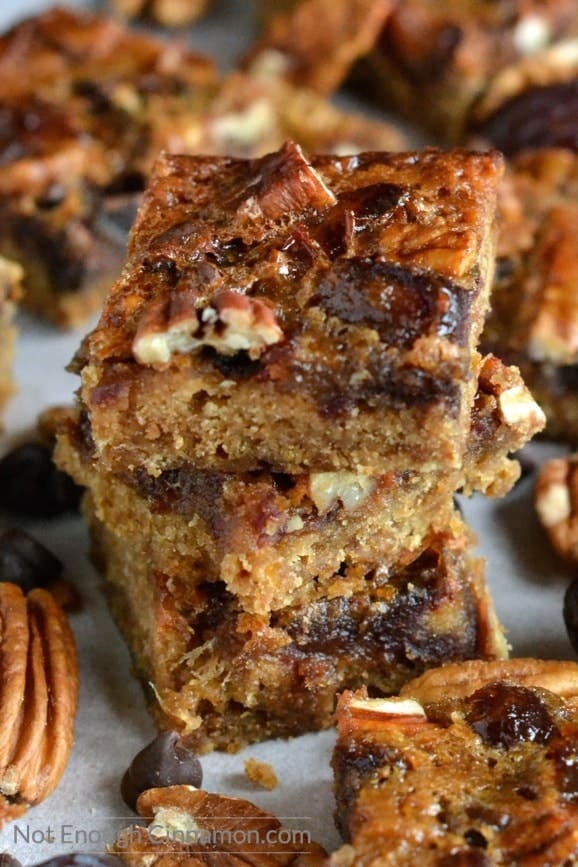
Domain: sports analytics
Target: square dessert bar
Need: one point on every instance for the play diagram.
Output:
(462, 65)
(302, 314)
(10, 277)
(227, 677)
(473, 764)
(276, 540)
(534, 316)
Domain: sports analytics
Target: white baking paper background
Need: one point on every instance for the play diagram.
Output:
(86, 810)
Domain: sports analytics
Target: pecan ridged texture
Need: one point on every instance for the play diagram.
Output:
(38, 697)
(189, 826)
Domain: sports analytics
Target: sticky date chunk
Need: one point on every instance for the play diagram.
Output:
(506, 715)
(401, 304)
(25, 562)
(571, 613)
(542, 117)
(166, 761)
(31, 485)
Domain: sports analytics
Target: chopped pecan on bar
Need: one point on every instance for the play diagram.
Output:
(190, 825)
(472, 764)
(505, 416)
(556, 501)
(38, 697)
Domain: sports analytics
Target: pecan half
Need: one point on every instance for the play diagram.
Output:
(556, 501)
(190, 826)
(462, 679)
(38, 697)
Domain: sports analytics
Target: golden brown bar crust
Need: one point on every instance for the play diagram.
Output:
(10, 282)
(169, 13)
(471, 765)
(437, 58)
(315, 43)
(304, 313)
(228, 677)
(534, 318)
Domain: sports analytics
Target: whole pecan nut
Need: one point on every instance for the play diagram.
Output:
(38, 697)
(188, 826)
(462, 679)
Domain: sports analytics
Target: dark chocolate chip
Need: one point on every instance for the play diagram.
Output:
(7, 860)
(571, 613)
(25, 562)
(78, 859)
(506, 715)
(166, 761)
(31, 485)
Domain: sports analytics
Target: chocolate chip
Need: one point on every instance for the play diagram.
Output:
(31, 485)
(77, 859)
(25, 562)
(506, 715)
(166, 761)
(7, 860)
(571, 613)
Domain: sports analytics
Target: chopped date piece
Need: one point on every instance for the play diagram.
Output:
(26, 562)
(166, 761)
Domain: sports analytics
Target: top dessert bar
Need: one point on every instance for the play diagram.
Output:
(462, 65)
(294, 314)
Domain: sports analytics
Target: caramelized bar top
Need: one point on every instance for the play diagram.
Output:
(300, 271)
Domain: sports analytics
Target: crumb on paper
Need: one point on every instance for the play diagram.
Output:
(261, 774)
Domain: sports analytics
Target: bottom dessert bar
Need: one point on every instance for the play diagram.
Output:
(10, 276)
(534, 318)
(473, 765)
(228, 678)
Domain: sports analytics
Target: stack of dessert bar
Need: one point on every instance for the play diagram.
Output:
(278, 405)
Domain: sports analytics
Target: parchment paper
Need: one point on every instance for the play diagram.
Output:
(85, 811)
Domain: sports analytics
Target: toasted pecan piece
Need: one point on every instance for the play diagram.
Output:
(38, 697)
(190, 826)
